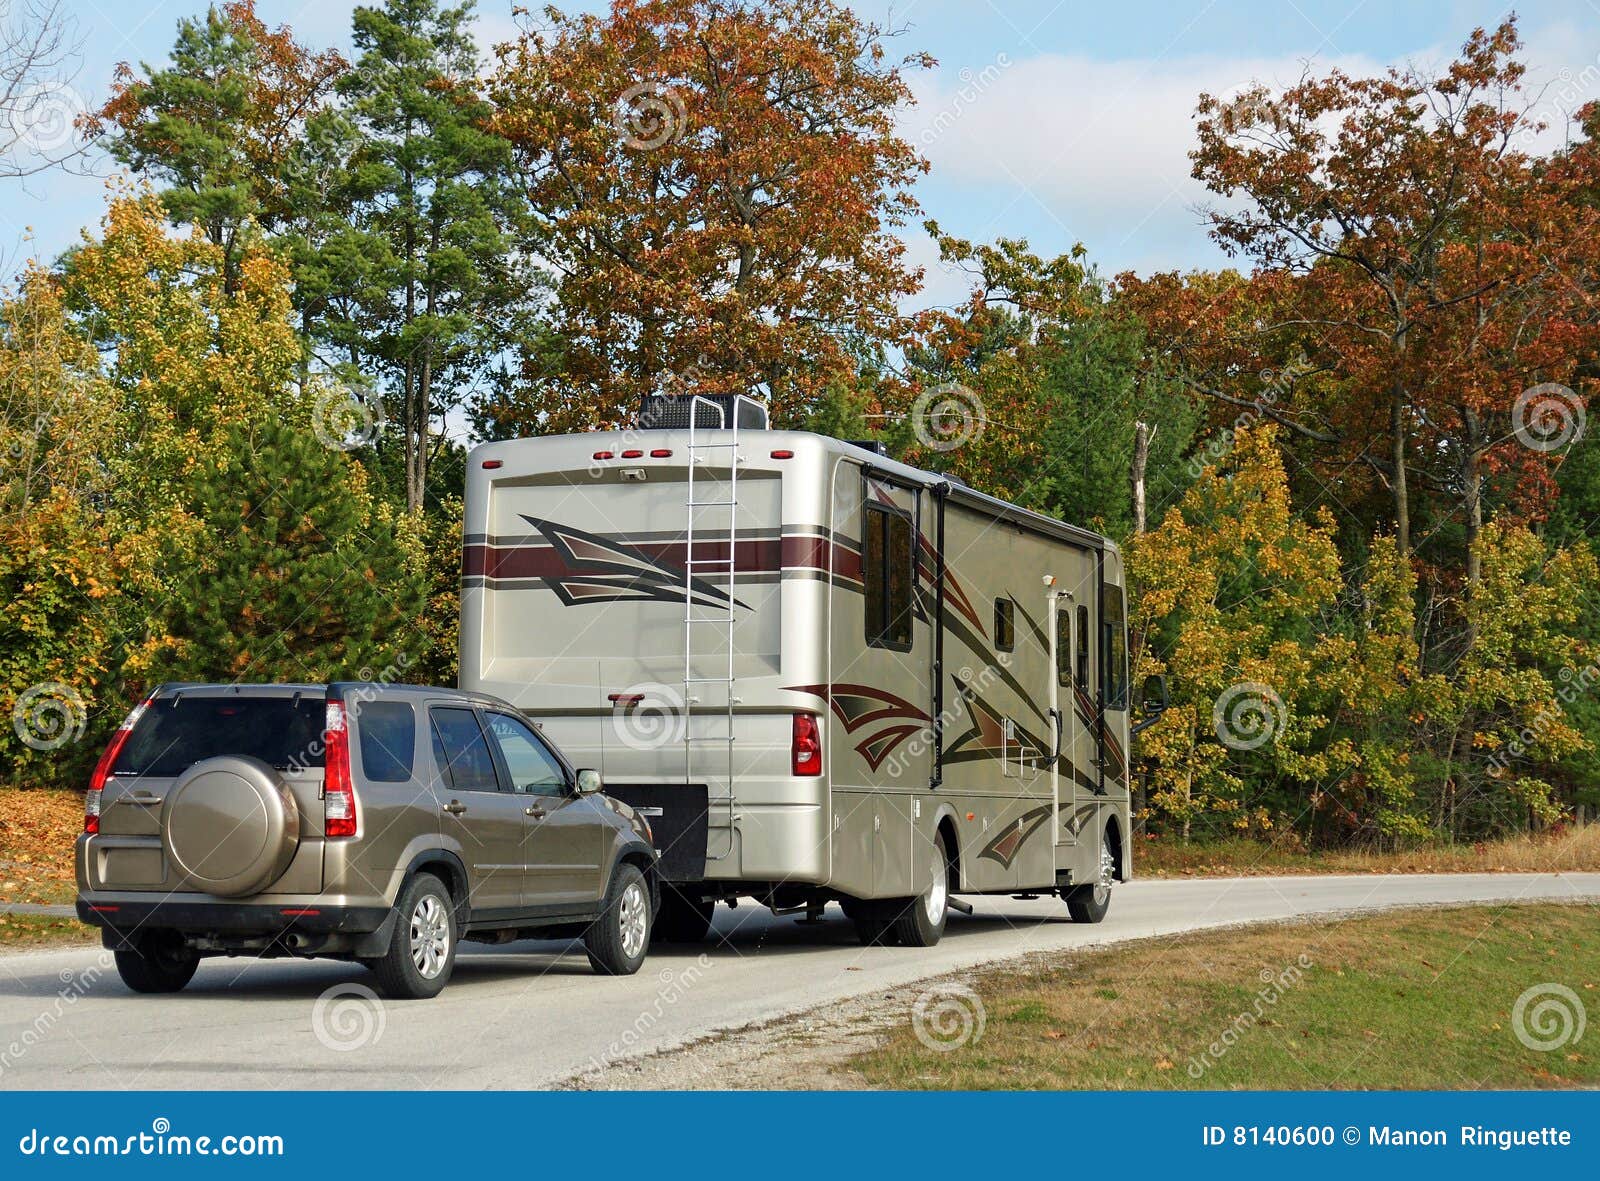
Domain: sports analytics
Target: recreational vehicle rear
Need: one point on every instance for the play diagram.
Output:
(823, 674)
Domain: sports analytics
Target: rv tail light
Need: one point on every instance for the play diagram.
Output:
(624, 698)
(491, 464)
(783, 455)
(661, 453)
(338, 791)
(605, 455)
(633, 453)
(102, 769)
(806, 749)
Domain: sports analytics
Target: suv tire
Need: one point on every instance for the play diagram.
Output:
(618, 940)
(156, 962)
(422, 950)
(682, 919)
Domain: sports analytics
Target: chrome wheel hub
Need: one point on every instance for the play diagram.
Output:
(430, 936)
(1108, 870)
(634, 919)
(938, 895)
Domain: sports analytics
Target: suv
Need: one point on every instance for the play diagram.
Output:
(374, 823)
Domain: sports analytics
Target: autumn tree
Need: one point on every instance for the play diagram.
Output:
(716, 186)
(219, 125)
(1407, 246)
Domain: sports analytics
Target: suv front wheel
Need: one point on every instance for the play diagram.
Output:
(619, 938)
(422, 950)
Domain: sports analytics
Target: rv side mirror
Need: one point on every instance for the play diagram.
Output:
(1153, 699)
(589, 781)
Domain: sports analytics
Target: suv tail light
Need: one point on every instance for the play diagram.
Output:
(805, 751)
(338, 791)
(102, 769)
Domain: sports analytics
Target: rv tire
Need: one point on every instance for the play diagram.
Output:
(1090, 902)
(682, 917)
(919, 922)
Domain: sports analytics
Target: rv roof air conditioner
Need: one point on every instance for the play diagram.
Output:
(670, 412)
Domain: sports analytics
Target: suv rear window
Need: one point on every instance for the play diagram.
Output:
(177, 732)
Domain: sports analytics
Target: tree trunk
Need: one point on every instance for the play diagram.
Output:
(1472, 483)
(1397, 456)
(1142, 434)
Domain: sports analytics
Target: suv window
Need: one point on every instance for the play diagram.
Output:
(461, 750)
(533, 768)
(388, 735)
(177, 732)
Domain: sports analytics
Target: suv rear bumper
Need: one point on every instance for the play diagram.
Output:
(237, 928)
(230, 917)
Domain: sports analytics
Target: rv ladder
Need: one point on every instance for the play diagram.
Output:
(697, 614)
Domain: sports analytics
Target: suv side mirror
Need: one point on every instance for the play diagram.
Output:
(1152, 702)
(589, 781)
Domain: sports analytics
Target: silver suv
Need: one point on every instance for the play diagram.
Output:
(374, 823)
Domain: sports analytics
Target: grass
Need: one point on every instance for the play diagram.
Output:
(24, 931)
(1422, 999)
(37, 829)
(1572, 849)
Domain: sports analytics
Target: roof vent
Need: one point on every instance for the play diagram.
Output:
(670, 412)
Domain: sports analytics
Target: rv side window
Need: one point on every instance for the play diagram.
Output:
(1083, 648)
(1064, 648)
(886, 575)
(1114, 648)
(1005, 625)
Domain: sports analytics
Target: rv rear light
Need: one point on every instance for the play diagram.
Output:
(108, 760)
(633, 453)
(491, 464)
(661, 453)
(338, 790)
(605, 455)
(624, 698)
(783, 455)
(805, 750)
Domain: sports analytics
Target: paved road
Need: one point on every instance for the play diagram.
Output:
(532, 1014)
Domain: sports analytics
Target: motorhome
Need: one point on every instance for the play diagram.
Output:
(823, 674)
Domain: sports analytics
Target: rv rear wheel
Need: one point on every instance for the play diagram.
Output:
(919, 922)
(683, 918)
(1089, 903)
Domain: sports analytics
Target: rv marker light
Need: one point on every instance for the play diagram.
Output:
(661, 453)
(633, 453)
(604, 455)
(491, 464)
(783, 455)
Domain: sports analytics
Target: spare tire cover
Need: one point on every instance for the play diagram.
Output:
(230, 825)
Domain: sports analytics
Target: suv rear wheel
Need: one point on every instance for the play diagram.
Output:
(618, 939)
(422, 950)
(156, 962)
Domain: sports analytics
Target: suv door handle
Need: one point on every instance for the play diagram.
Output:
(455, 807)
(535, 811)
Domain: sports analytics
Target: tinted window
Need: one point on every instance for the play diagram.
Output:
(1114, 649)
(177, 732)
(533, 768)
(886, 575)
(462, 750)
(1064, 648)
(388, 736)
(1005, 625)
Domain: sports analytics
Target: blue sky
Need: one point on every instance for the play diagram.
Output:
(1058, 122)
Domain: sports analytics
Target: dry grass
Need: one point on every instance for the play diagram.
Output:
(1571, 850)
(29, 931)
(1419, 1000)
(37, 830)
